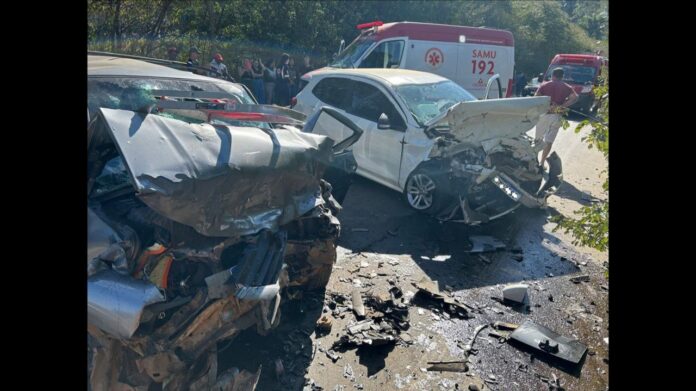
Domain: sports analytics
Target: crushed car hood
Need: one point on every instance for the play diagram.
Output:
(481, 120)
(223, 181)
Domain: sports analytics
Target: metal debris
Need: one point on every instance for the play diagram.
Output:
(468, 348)
(348, 372)
(396, 293)
(311, 386)
(429, 289)
(485, 244)
(555, 383)
(448, 366)
(324, 323)
(332, 355)
(360, 326)
(358, 306)
(383, 325)
(502, 337)
(504, 326)
(541, 338)
(579, 279)
(516, 293)
(359, 230)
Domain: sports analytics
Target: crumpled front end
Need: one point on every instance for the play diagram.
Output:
(194, 231)
(490, 164)
(493, 179)
(159, 318)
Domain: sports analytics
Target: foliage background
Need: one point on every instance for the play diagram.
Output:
(240, 28)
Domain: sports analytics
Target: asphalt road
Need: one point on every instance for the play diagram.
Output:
(379, 229)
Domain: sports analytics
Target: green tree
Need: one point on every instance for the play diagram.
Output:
(239, 28)
(591, 227)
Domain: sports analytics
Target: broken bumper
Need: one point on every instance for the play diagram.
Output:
(514, 192)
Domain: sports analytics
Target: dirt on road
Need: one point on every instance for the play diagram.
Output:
(384, 245)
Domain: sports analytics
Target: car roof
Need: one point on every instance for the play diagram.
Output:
(118, 66)
(393, 77)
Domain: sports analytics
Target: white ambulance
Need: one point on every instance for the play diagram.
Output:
(469, 56)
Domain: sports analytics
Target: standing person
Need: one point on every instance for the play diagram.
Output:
(172, 53)
(245, 74)
(269, 73)
(521, 83)
(193, 59)
(283, 81)
(562, 96)
(305, 67)
(257, 82)
(219, 69)
(292, 81)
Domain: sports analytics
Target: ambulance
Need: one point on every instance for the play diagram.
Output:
(582, 72)
(469, 56)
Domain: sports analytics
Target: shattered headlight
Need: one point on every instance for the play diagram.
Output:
(507, 189)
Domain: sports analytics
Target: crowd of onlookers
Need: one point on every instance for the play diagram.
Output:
(271, 82)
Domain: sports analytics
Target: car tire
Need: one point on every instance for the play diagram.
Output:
(426, 190)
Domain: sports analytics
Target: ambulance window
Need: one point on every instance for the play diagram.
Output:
(334, 91)
(369, 102)
(385, 55)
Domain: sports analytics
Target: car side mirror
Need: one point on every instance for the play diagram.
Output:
(383, 122)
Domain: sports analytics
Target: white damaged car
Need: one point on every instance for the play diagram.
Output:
(452, 156)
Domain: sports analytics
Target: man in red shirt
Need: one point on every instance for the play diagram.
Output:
(562, 96)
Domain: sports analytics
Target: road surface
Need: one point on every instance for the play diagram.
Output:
(378, 227)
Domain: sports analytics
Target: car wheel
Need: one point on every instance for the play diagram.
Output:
(425, 190)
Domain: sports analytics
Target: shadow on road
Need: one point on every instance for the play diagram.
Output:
(570, 192)
(376, 219)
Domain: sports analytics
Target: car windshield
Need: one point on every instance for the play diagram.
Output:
(427, 101)
(350, 55)
(140, 93)
(575, 74)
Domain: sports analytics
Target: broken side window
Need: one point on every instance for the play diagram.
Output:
(113, 176)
